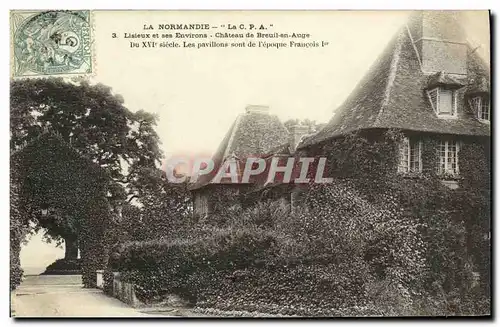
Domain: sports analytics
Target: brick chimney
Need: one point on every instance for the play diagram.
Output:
(260, 109)
(295, 136)
(440, 41)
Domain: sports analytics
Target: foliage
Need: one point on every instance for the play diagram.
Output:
(164, 209)
(371, 243)
(161, 210)
(445, 227)
(207, 268)
(89, 117)
(18, 226)
(262, 214)
(16, 274)
(96, 135)
(43, 182)
(108, 277)
(95, 123)
(302, 289)
(159, 267)
(64, 267)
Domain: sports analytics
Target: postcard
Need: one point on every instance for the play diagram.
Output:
(215, 164)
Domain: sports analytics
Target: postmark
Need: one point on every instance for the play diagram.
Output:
(51, 43)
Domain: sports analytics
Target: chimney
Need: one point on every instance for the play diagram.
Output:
(260, 109)
(440, 41)
(295, 136)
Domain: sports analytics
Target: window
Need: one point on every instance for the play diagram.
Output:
(410, 156)
(448, 158)
(443, 101)
(481, 106)
(202, 204)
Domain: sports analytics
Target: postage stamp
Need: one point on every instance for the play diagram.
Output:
(49, 43)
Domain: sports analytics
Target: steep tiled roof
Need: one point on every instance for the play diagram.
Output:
(392, 95)
(253, 134)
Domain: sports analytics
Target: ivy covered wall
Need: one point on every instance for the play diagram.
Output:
(454, 223)
(218, 197)
(371, 157)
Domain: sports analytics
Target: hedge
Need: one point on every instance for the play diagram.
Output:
(168, 266)
(241, 270)
(64, 267)
(304, 290)
(309, 260)
(359, 246)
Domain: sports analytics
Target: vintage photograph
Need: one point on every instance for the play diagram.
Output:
(252, 164)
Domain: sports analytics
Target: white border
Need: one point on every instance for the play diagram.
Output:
(190, 5)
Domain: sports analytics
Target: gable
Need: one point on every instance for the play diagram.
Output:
(253, 134)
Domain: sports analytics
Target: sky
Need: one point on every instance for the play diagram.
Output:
(197, 94)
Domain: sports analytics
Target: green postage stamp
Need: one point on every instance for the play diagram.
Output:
(47, 43)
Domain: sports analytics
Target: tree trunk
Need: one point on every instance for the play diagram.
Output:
(71, 245)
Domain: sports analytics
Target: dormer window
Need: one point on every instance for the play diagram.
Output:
(481, 107)
(443, 101)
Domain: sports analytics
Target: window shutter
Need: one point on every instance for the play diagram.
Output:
(434, 98)
(475, 104)
(454, 103)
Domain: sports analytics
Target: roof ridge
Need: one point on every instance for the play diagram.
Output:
(226, 154)
(392, 74)
(231, 138)
(414, 47)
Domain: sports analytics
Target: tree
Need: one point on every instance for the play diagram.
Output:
(95, 122)
(164, 208)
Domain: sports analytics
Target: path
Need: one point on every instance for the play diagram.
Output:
(64, 296)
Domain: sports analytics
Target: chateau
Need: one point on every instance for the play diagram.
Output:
(429, 83)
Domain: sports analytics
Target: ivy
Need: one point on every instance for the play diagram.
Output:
(445, 227)
(42, 171)
(373, 242)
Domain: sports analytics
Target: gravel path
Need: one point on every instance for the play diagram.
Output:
(64, 296)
